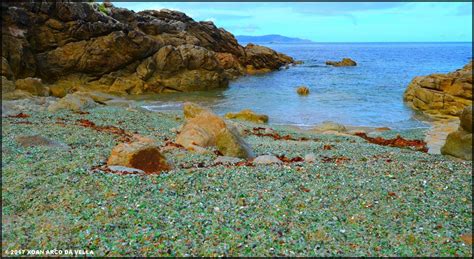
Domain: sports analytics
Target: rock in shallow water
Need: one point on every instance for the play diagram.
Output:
(302, 90)
(247, 115)
(345, 62)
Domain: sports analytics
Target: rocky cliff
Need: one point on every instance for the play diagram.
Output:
(71, 46)
(445, 94)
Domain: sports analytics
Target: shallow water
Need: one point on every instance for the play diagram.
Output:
(370, 94)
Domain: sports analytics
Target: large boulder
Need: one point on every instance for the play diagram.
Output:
(247, 115)
(206, 129)
(345, 62)
(142, 153)
(459, 143)
(116, 50)
(446, 94)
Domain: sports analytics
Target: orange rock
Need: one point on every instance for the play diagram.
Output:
(142, 153)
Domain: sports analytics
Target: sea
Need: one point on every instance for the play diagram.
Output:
(369, 94)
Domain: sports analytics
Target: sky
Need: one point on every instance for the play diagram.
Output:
(332, 22)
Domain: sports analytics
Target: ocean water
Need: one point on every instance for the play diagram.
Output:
(370, 94)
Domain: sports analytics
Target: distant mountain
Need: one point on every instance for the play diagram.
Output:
(272, 38)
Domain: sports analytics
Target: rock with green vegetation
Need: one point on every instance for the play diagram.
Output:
(247, 115)
(459, 143)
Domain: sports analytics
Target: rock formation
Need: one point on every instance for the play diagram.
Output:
(72, 45)
(446, 94)
(345, 62)
(459, 143)
(247, 115)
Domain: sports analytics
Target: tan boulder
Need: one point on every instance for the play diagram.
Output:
(302, 90)
(205, 129)
(247, 115)
(459, 143)
(445, 94)
(74, 102)
(142, 153)
(33, 86)
(345, 62)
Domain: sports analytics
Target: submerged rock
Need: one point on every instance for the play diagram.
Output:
(247, 115)
(459, 143)
(345, 62)
(205, 129)
(302, 90)
(142, 153)
(446, 94)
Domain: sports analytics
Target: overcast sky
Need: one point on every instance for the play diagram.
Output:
(332, 22)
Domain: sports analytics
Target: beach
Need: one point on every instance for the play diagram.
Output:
(356, 198)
